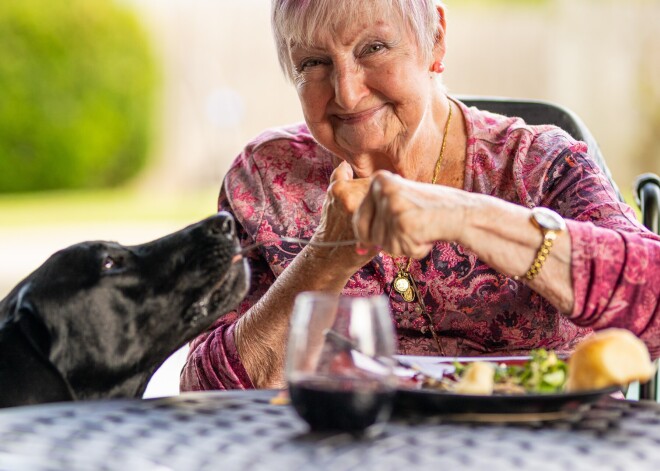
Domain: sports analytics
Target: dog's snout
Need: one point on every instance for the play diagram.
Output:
(223, 224)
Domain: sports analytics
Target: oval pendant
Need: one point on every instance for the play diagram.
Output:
(401, 284)
(409, 295)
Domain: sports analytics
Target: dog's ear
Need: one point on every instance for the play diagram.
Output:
(27, 374)
(26, 316)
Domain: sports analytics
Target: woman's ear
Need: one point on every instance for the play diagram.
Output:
(442, 19)
(439, 47)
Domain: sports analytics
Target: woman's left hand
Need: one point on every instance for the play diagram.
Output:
(405, 218)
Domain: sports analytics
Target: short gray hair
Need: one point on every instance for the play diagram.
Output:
(297, 20)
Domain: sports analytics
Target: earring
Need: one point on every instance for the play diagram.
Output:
(438, 67)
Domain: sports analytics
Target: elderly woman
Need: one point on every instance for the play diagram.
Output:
(449, 202)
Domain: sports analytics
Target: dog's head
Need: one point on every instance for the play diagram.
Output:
(108, 315)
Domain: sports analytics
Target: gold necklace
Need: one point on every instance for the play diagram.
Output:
(403, 283)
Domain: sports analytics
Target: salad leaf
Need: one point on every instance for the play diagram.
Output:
(544, 372)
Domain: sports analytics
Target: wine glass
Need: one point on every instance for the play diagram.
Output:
(340, 367)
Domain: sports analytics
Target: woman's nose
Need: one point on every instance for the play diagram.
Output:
(350, 86)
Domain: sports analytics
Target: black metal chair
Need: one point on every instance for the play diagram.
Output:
(646, 186)
(647, 196)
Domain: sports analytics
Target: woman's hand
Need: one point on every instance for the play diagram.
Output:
(345, 195)
(405, 218)
(261, 334)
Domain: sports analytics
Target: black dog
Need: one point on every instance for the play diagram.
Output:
(98, 318)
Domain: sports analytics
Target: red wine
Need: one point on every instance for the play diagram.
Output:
(349, 406)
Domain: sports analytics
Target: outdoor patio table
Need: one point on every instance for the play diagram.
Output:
(242, 430)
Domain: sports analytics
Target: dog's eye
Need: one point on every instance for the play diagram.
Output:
(109, 263)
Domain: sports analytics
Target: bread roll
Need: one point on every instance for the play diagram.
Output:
(479, 379)
(611, 357)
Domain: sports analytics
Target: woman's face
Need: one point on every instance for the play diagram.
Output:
(365, 88)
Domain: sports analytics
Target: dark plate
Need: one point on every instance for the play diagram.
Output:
(497, 407)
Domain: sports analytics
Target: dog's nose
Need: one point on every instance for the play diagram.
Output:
(223, 224)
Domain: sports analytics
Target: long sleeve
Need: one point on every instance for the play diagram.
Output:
(252, 187)
(213, 361)
(616, 281)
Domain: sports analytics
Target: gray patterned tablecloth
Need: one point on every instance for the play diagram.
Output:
(243, 431)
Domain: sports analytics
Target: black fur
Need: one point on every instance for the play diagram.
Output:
(98, 318)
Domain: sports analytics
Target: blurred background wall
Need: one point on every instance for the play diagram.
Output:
(600, 58)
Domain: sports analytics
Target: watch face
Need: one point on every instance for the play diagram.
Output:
(548, 219)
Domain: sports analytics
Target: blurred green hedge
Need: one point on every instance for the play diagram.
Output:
(78, 83)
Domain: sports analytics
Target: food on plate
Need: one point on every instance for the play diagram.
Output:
(607, 358)
(612, 357)
(543, 372)
(478, 379)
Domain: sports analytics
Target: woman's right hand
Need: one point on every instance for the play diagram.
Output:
(345, 195)
(261, 334)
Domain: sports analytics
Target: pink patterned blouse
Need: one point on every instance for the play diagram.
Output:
(277, 185)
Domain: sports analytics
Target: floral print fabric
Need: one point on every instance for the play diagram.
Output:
(277, 185)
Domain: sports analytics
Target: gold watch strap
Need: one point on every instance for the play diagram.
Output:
(551, 225)
(542, 254)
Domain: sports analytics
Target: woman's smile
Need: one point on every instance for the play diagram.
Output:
(360, 116)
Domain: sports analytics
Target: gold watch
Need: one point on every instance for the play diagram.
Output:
(551, 225)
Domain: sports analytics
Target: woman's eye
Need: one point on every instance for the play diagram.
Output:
(375, 47)
(306, 64)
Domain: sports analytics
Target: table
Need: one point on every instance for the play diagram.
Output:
(242, 430)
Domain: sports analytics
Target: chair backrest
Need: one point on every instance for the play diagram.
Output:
(647, 196)
(542, 112)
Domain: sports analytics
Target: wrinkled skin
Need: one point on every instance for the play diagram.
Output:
(98, 318)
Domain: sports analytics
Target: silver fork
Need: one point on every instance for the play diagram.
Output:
(347, 344)
(293, 240)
